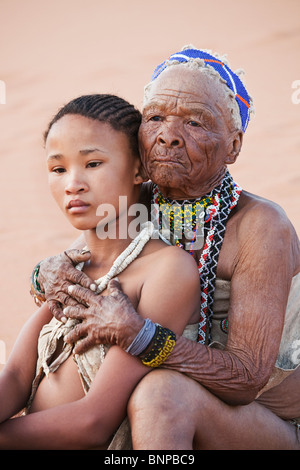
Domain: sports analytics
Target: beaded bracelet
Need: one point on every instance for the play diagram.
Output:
(35, 288)
(162, 345)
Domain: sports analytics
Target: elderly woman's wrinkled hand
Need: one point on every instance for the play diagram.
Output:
(104, 319)
(57, 274)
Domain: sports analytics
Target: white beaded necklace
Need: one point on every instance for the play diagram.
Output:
(120, 264)
(127, 256)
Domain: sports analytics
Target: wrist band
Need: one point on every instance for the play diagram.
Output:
(142, 339)
(35, 288)
(163, 344)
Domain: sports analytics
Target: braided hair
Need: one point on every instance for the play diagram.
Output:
(110, 109)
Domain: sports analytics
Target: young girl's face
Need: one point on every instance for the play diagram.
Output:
(90, 164)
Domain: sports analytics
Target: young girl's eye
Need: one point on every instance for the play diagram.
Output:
(93, 164)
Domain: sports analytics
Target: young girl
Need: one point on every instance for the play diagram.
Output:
(72, 402)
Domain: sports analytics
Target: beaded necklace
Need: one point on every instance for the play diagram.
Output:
(177, 218)
(120, 264)
(216, 207)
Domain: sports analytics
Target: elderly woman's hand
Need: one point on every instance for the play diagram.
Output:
(57, 273)
(109, 319)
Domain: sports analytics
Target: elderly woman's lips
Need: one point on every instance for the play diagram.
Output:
(166, 159)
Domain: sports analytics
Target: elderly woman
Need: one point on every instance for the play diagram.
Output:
(237, 386)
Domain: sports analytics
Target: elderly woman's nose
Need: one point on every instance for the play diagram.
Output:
(170, 136)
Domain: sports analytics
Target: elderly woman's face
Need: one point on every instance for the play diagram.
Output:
(186, 132)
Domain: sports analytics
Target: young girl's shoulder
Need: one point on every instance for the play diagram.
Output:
(170, 258)
(170, 287)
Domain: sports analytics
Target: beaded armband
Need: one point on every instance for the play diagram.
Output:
(161, 347)
(35, 288)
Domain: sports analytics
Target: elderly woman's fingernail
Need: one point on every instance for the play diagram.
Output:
(70, 289)
(84, 251)
(93, 287)
(64, 319)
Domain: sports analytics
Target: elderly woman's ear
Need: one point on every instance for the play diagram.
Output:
(234, 146)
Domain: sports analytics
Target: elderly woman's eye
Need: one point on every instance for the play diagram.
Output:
(194, 124)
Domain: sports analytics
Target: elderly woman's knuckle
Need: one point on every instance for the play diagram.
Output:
(76, 331)
(64, 284)
(93, 336)
(62, 297)
(123, 300)
(73, 290)
(77, 276)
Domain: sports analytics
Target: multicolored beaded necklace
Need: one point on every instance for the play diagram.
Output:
(183, 217)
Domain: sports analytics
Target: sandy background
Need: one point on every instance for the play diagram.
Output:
(52, 51)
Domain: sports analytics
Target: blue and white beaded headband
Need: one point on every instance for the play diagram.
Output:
(232, 79)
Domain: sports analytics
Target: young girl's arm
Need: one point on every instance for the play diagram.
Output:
(18, 373)
(84, 424)
(170, 296)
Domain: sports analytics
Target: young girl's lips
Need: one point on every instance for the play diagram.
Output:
(77, 207)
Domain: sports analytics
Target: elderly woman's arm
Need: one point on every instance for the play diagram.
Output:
(264, 265)
(260, 284)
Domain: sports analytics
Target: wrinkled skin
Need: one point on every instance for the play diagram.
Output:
(187, 139)
(57, 274)
(97, 329)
